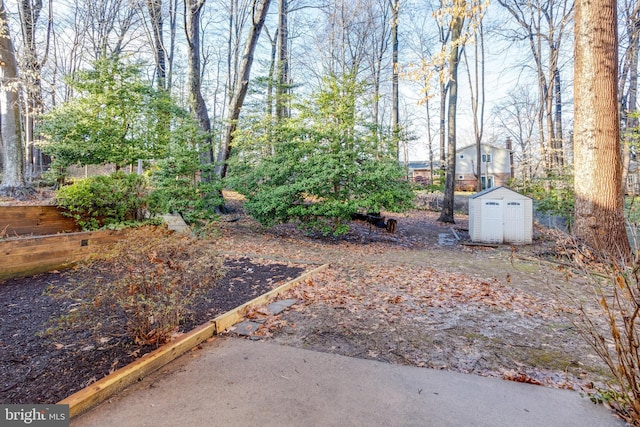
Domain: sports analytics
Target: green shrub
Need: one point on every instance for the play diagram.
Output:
(151, 278)
(100, 201)
(178, 187)
(320, 167)
(552, 195)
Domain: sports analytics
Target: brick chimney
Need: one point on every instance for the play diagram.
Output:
(510, 148)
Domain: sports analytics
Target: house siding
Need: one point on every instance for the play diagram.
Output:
(499, 169)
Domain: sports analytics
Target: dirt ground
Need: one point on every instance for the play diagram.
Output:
(404, 298)
(400, 298)
(37, 367)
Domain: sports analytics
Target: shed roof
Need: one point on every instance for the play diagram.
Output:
(495, 147)
(503, 188)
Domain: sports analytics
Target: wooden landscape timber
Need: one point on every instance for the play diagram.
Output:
(234, 316)
(26, 256)
(92, 395)
(34, 221)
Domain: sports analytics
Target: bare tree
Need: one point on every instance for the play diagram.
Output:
(459, 20)
(108, 25)
(476, 85)
(543, 26)
(517, 116)
(163, 52)
(192, 16)
(628, 82)
(31, 64)
(395, 104)
(457, 25)
(379, 19)
(282, 91)
(598, 167)
(258, 16)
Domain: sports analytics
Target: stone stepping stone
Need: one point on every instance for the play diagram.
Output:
(278, 307)
(246, 328)
(176, 223)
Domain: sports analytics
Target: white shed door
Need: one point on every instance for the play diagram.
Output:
(491, 227)
(514, 221)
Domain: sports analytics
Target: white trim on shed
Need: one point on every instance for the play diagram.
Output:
(500, 215)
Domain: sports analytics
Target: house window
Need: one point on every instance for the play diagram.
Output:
(487, 182)
(486, 158)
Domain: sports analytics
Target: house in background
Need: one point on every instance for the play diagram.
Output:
(422, 172)
(496, 165)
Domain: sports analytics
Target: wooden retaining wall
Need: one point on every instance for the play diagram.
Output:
(31, 255)
(34, 220)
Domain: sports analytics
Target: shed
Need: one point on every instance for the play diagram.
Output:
(500, 215)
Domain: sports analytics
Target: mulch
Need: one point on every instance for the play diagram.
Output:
(44, 368)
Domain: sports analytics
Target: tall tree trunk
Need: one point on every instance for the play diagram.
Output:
(13, 183)
(157, 31)
(273, 76)
(260, 9)
(454, 59)
(193, 9)
(444, 89)
(395, 107)
(29, 11)
(282, 88)
(559, 146)
(476, 87)
(598, 167)
(554, 145)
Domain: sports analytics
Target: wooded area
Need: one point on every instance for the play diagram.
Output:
(415, 80)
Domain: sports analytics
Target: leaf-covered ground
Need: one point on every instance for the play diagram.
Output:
(44, 368)
(402, 298)
(399, 298)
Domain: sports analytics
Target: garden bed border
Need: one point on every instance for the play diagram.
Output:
(103, 389)
(26, 256)
(34, 220)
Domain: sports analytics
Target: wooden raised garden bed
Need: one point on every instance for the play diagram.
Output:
(34, 221)
(29, 245)
(36, 239)
(32, 255)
